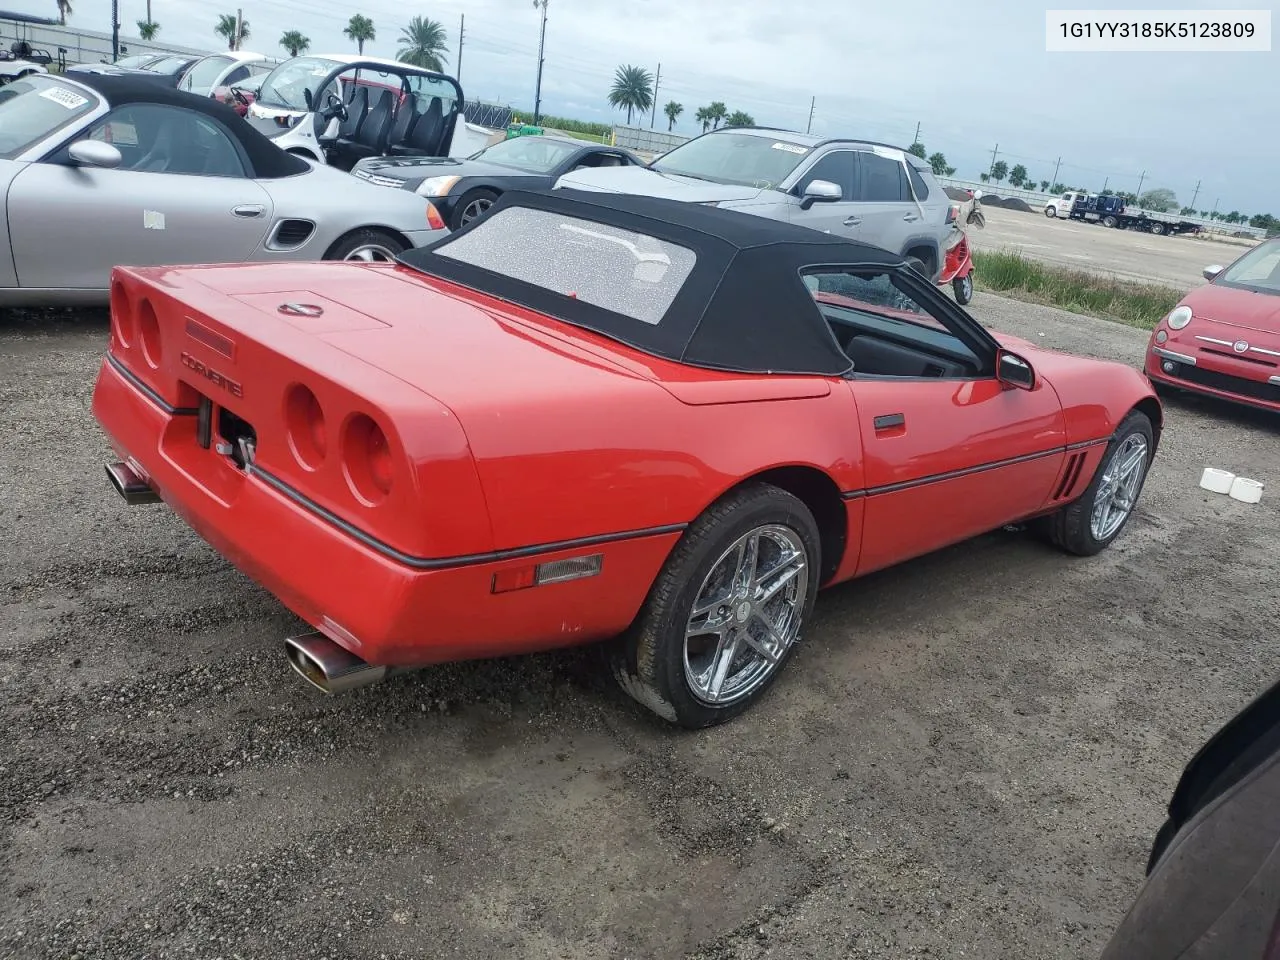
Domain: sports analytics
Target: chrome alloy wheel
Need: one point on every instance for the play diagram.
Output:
(747, 614)
(1118, 491)
(372, 253)
(475, 208)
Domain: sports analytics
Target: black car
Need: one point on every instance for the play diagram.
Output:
(1213, 879)
(463, 189)
(164, 69)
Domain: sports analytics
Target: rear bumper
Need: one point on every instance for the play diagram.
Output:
(386, 611)
(1200, 378)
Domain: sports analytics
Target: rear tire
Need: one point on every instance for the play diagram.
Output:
(369, 245)
(700, 653)
(1117, 483)
(963, 288)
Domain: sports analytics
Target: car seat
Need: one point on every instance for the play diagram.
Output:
(402, 123)
(424, 136)
(357, 108)
(370, 140)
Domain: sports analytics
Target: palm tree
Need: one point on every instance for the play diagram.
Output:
(672, 110)
(740, 119)
(632, 90)
(717, 112)
(64, 11)
(424, 44)
(147, 29)
(294, 42)
(360, 30)
(703, 116)
(226, 29)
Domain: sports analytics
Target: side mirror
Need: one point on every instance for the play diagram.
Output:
(820, 191)
(1212, 271)
(95, 153)
(1011, 369)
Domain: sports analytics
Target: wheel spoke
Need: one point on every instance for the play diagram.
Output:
(779, 579)
(726, 652)
(748, 556)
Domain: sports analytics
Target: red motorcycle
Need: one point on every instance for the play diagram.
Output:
(957, 268)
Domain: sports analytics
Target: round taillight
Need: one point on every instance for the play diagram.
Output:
(122, 319)
(366, 460)
(149, 333)
(304, 426)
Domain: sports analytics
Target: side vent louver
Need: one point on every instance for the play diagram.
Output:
(292, 233)
(1070, 476)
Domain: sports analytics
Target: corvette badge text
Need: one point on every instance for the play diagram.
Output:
(213, 376)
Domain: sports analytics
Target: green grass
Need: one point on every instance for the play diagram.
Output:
(1013, 275)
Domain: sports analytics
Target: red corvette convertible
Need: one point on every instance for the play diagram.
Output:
(1223, 339)
(591, 416)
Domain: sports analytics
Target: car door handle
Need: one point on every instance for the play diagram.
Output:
(852, 221)
(889, 421)
(249, 210)
(911, 218)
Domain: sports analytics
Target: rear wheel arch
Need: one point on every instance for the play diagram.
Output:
(368, 228)
(817, 491)
(1151, 408)
(926, 253)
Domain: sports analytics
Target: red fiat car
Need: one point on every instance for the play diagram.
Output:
(1223, 339)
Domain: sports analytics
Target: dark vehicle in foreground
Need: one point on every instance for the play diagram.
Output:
(463, 189)
(1223, 338)
(1213, 878)
(589, 416)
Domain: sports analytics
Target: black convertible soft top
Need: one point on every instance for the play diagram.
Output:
(743, 306)
(267, 160)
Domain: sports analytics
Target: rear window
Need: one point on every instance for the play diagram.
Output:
(629, 273)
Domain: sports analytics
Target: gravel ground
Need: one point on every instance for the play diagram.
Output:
(968, 758)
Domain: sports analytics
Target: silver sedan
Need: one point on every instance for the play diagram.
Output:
(107, 170)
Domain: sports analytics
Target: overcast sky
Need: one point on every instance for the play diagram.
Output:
(973, 75)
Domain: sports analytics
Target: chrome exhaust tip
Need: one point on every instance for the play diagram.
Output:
(329, 667)
(131, 487)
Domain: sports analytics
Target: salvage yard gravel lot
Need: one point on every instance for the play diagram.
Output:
(968, 757)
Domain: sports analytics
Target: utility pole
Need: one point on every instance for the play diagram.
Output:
(1140, 179)
(1194, 195)
(537, 93)
(653, 115)
(1055, 173)
(812, 100)
(916, 138)
(993, 159)
(239, 27)
(462, 26)
(115, 30)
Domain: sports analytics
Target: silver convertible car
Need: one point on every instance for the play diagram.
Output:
(107, 170)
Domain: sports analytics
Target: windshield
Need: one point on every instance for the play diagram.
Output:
(137, 60)
(34, 108)
(168, 64)
(283, 88)
(534, 154)
(200, 78)
(744, 159)
(1258, 270)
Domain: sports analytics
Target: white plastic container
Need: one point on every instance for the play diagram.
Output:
(1217, 481)
(1246, 490)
